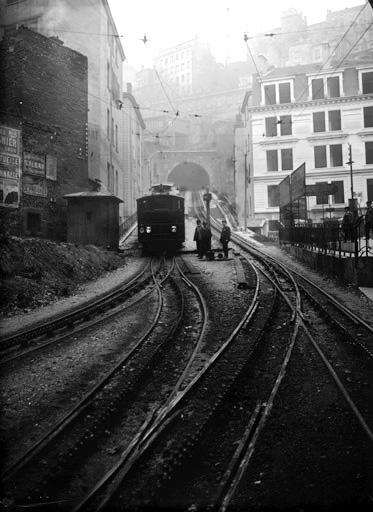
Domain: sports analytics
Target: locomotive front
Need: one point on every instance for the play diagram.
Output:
(160, 221)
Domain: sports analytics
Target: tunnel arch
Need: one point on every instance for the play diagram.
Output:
(190, 176)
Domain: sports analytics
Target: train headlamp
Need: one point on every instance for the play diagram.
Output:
(173, 229)
(142, 230)
(148, 229)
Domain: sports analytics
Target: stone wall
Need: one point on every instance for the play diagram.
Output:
(347, 270)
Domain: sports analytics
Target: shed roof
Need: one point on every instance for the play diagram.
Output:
(93, 193)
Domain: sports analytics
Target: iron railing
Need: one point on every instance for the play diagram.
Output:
(330, 238)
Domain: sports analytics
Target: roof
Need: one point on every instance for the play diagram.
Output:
(291, 71)
(256, 223)
(93, 193)
(131, 98)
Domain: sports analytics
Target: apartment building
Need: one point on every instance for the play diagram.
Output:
(136, 181)
(299, 114)
(89, 28)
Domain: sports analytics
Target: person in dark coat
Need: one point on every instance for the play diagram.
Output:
(206, 239)
(225, 237)
(198, 236)
(368, 220)
(348, 224)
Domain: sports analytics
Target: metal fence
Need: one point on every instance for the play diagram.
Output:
(330, 238)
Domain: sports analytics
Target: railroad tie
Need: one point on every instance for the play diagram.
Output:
(240, 274)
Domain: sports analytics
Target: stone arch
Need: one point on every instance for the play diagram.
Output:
(190, 176)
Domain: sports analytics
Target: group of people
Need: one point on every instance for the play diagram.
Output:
(350, 222)
(202, 237)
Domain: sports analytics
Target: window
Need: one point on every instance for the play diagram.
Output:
(108, 75)
(336, 155)
(270, 94)
(334, 120)
(116, 137)
(284, 93)
(369, 152)
(107, 123)
(322, 198)
(332, 84)
(116, 183)
(271, 126)
(320, 156)
(317, 88)
(287, 159)
(285, 125)
(339, 195)
(319, 121)
(112, 131)
(370, 190)
(367, 79)
(273, 195)
(368, 117)
(272, 160)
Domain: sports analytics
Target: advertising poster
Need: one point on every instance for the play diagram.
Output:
(34, 165)
(10, 166)
(51, 167)
(34, 186)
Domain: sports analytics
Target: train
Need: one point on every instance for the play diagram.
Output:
(161, 219)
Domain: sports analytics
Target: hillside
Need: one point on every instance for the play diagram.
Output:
(34, 272)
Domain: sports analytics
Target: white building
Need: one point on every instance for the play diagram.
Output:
(89, 28)
(300, 114)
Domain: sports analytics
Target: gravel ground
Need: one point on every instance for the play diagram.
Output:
(294, 471)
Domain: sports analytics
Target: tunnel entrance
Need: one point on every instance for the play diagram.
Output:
(189, 176)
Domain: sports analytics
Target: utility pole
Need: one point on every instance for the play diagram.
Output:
(350, 162)
(207, 198)
(245, 198)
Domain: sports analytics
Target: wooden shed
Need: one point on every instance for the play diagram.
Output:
(93, 218)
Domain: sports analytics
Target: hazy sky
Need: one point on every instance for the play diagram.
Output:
(220, 22)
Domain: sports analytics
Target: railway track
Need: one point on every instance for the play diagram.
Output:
(77, 320)
(72, 437)
(192, 420)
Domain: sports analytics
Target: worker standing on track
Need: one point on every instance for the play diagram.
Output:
(225, 237)
(198, 238)
(206, 239)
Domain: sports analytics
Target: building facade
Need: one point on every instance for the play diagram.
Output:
(300, 114)
(87, 27)
(43, 126)
(136, 180)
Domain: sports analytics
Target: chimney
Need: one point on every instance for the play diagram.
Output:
(129, 87)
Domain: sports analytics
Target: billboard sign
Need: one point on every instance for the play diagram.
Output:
(298, 182)
(10, 166)
(51, 167)
(34, 186)
(34, 165)
(284, 191)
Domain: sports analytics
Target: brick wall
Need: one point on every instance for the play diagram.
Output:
(43, 92)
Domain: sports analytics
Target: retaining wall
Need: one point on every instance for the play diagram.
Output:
(344, 269)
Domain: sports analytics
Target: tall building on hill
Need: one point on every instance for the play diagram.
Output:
(187, 67)
(89, 28)
(295, 42)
